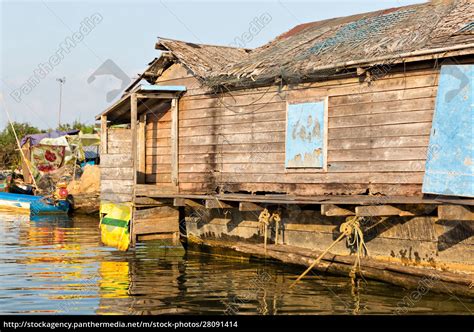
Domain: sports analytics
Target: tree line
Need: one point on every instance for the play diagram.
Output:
(9, 154)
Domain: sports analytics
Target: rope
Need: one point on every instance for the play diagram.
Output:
(277, 219)
(357, 242)
(347, 229)
(318, 259)
(264, 219)
(356, 296)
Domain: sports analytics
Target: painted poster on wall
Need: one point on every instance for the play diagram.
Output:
(450, 156)
(305, 135)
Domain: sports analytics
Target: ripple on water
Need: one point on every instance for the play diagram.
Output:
(58, 265)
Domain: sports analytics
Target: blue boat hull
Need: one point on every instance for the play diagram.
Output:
(35, 205)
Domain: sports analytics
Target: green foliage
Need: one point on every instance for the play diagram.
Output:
(21, 129)
(9, 155)
(86, 129)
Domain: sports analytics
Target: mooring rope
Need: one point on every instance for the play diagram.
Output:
(351, 226)
(265, 219)
(359, 244)
(277, 219)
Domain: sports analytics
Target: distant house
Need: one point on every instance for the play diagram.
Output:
(368, 111)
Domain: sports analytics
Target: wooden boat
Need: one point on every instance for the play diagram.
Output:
(34, 205)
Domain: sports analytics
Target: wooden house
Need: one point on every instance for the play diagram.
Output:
(364, 116)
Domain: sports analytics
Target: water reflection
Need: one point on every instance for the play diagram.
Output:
(57, 265)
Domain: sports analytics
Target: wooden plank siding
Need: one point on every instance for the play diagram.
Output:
(116, 167)
(378, 135)
(155, 125)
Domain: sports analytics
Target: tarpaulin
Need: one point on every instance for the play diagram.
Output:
(72, 147)
(59, 141)
(47, 158)
(36, 138)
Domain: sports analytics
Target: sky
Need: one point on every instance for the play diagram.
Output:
(43, 41)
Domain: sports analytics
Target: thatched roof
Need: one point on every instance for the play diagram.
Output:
(203, 60)
(320, 49)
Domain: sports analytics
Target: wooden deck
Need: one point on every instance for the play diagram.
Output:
(154, 191)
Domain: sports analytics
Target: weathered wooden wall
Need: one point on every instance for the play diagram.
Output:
(116, 176)
(157, 138)
(378, 136)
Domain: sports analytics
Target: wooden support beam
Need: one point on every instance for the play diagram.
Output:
(455, 212)
(179, 202)
(141, 149)
(133, 126)
(174, 141)
(332, 210)
(147, 201)
(161, 95)
(217, 204)
(153, 190)
(187, 202)
(194, 204)
(248, 206)
(381, 211)
(103, 134)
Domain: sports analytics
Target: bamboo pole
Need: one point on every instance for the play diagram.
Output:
(318, 259)
(27, 162)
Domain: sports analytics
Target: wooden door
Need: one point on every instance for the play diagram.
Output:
(159, 148)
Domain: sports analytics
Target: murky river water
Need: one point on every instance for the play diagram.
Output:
(57, 265)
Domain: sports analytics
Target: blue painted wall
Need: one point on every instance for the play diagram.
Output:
(450, 156)
(305, 135)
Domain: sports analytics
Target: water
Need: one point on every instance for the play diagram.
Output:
(58, 266)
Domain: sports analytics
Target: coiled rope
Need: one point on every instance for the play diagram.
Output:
(265, 219)
(350, 228)
(358, 243)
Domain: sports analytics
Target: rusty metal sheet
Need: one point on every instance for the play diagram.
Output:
(305, 135)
